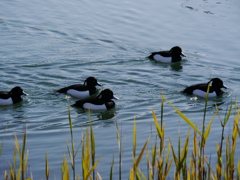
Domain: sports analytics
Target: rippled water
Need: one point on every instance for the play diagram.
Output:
(52, 44)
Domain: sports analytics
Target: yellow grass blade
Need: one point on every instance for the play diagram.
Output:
(17, 146)
(154, 149)
(142, 175)
(228, 115)
(168, 164)
(141, 154)
(131, 177)
(46, 167)
(184, 151)
(235, 128)
(134, 139)
(150, 168)
(195, 145)
(86, 156)
(206, 133)
(159, 131)
(25, 164)
(184, 117)
(70, 154)
(174, 154)
(93, 148)
(92, 145)
(92, 169)
(65, 172)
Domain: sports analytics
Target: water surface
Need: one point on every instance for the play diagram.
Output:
(49, 45)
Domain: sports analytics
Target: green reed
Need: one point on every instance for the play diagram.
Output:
(18, 169)
(161, 156)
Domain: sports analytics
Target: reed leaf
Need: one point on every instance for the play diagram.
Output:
(184, 117)
(134, 139)
(65, 172)
(93, 148)
(184, 151)
(227, 115)
(17, 146)
(131, 176)
(5, 175)
(238, 169)
(141, 175)
(86, 155)
(174, 154)
(234, 143)
(168, 163)
(72, 154)
(149, 166)
(98, 176)
(206, 133)
(141, 154)
(46, 167)
(162, 106)
(195, 144)
(112, 168)
(14, 169)
(159, 131)
(154, 149)
(120, 150)
(26, 163)
(1, 148)
(235, 127)
(219, 162)
(23, 156)
(92, 169)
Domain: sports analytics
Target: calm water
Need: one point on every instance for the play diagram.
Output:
(46, 45)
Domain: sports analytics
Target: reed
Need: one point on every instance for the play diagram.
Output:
(18, 169)
(119, 140)
(161, 156)
(1, 147)
(47, 172)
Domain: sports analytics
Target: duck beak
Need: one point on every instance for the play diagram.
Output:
(224, 86)
(182, 55)
(114, 97)
(25, 94)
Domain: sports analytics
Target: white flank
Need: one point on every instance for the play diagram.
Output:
(201, 93)
(78, 94)
(4, 102)
(162, 59)
(94, 107)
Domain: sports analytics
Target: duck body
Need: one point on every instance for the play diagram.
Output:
(101, 102)
(11, 97)
(173, 55)
(201, 89)
(81, 91)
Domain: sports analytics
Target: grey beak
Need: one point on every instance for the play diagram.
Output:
(182, 55)
(224, 86)
(114, 97)
(25, 94)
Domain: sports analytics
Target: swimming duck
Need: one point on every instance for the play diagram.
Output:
(81, 91)
(11, 97)
(101, 102)
(173, 55)
(201, 89)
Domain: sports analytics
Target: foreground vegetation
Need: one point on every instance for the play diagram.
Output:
(160, 158)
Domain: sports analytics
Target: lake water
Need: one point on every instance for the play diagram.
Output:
(46, 45)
